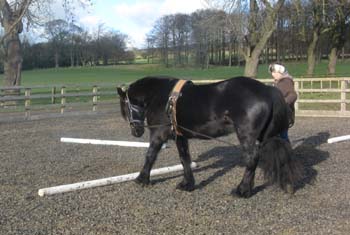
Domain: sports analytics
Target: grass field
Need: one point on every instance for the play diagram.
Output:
(126, 73)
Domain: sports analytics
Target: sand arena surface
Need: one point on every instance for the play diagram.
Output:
(32, 157)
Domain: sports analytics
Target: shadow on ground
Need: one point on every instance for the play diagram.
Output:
(228, 157)
(310, 155)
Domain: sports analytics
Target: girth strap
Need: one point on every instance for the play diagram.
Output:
(171, 105)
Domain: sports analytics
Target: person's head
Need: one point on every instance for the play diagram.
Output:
(278, 70)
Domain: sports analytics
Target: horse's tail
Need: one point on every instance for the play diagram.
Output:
(279, 115)
(279, 164)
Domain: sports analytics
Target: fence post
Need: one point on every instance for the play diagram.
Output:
(27, 94)
(296, 87)
(53, 93)
(94, 98)
(343, 96)
(312, 85)
(63, 99)
(301, 85)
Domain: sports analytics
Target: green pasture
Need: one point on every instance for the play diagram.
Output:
(127, 73)
(82, 76)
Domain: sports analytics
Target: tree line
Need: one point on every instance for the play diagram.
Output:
(68, 45)
(252, 32)
(231, 32)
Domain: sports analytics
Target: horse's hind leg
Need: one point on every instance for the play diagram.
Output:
(188, 182)
(250, 153)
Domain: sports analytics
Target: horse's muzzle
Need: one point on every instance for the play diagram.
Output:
(137, 130)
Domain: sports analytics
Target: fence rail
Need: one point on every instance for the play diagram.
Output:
(327, 97)
(333, 91)
(37, 102)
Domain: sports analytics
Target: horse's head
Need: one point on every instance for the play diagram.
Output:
(133, 111)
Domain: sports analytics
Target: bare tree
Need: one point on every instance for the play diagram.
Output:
(151, 42)
(57, 32)
(162, 31)
(12, 14)
(258, 22)
(200, 36)
(11, 20)
(338, 20)
(85, 49)
(317, 26)
(75, 38)
(180, 30)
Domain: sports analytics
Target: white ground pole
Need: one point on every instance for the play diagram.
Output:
(107, 181)
(338, 139)
(107, 142)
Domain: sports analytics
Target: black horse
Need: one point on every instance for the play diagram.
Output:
(255, 111)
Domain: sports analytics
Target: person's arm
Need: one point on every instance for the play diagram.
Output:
(286, 86)
(290, 95)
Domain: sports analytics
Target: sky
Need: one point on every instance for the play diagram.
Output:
(134, 17)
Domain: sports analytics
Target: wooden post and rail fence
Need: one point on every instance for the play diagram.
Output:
(317, 97)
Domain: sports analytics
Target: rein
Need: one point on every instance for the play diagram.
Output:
(205, 136)
(192, 132)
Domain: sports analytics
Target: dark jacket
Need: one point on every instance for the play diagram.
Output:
(286, 86)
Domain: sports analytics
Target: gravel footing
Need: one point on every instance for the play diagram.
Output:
(32, 157)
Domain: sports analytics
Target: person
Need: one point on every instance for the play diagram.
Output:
(284, 82)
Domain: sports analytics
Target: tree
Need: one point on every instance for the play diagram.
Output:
(317, 26)
(258, 22)
(338, 20)
(112, 47)
(1, 54)
(180, 29)
(57, 32)
(75, 39)
(323, 20)
(162, 31)
(200, 36)
(12, 14)
(11, 20)
(151, 43)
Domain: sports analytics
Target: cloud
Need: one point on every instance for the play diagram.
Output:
(90, 20)
(135, 17)
(143, 14)
(181, 6)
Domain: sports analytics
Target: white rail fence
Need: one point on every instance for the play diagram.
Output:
(36, 102)
(319, 97)
(328, 97)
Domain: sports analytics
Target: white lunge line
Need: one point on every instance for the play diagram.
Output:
(338, 139)
(107, 142)
(107, 181)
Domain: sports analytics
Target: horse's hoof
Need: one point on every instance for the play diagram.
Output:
(185, 186)
(142, 181)
(244, 193)
(289, 189)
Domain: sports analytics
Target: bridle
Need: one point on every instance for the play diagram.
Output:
(135, 113)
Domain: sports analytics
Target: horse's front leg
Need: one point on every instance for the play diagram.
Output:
(187, 184)
(245, 187)
(151, 156)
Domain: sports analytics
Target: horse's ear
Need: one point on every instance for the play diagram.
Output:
(121, 91)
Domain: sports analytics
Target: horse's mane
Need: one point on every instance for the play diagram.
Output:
(148, 87)
(152, 81)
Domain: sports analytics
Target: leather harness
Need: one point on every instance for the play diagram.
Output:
(171, 105)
